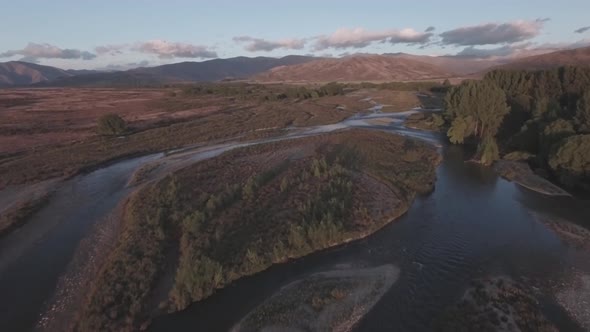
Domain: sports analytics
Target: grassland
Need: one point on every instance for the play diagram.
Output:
(239, 213)
(43, 136)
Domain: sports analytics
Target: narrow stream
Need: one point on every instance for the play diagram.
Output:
(474, 223)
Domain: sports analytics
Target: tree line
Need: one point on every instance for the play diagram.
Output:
(544, 115)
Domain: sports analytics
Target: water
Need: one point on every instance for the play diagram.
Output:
(33, 257)
(473, 224)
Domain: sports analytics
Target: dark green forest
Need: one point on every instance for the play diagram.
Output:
(541, 117)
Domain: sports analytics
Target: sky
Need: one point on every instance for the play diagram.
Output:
(122, 34)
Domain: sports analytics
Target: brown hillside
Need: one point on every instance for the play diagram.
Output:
(24, 73)
(355, 68)
(575, 57)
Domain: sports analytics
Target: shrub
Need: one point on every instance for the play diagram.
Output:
(571, 159)
(111, 125)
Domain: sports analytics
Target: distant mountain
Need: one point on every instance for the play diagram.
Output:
(293, 68)
(206, 71)
(575, 57)
(75, 72)
(219, 69)
(355, 68)
(24, 73)
(455, 64)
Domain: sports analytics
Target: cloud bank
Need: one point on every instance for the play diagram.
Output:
(168, 50)
(360, 37)
(493, 33)
(259, 44)
(33, 52)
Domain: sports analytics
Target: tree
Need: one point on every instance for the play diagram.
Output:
(111, 125)
(458, 130)
(475, 108)
(583, 112)
(571, 160)
(556, 131)
(488, 151)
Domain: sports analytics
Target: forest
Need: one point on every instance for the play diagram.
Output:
(541, 117)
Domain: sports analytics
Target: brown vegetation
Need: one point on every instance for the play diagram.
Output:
(157, 119)
(575, 57)
(63, 121)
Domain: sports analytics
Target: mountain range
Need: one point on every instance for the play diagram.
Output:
(293, 68)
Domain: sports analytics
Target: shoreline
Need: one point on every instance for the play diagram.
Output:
(521, 174)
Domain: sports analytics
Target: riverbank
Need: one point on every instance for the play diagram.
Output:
(521, 173)
(288, 199)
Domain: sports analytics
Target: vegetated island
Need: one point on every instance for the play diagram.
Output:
(237, 214)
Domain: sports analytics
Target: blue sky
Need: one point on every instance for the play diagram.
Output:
(127, 33)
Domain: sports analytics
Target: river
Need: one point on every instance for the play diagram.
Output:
(473, 224)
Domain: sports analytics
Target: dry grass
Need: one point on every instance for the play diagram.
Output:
(174, 121)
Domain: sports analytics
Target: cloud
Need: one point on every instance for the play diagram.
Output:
(259, 44)
(32, 52)
(582, 29)
(110, 49)
(565, 46)
(430, 29)
(519, 50)
(493, 33)
(124, 66)
(168, 50)
(498, 52)
(360, 37)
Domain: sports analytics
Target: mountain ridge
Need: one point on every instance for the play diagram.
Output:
(355, 68)
(291, 68)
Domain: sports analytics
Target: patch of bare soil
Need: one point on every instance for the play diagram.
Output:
(328, 301)
(496, 304)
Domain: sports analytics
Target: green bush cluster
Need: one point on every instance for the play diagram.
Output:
(406, 86)
(111, 125)
(261, 92)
